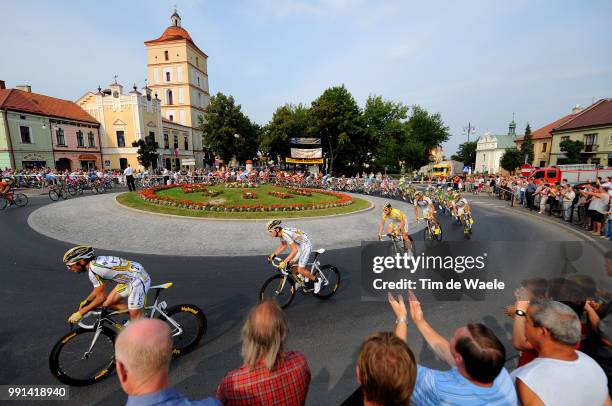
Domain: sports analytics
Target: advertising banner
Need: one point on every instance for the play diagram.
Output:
(304, 161)
(307, 153)
(306, 141)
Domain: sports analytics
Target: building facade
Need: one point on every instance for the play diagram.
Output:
(592, 126)
(178, 74)
(175, 148)
(490, 149)
(124, 118)
(27, 124)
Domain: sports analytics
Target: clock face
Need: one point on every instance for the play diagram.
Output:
(115, 94)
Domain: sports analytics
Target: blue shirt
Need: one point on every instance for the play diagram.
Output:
(451, 388)
(170, 397)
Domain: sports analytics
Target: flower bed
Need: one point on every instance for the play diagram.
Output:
(246, 194)
(241, 185)
(299, 191)
(279, 194)
(193, 187)
(150, 195)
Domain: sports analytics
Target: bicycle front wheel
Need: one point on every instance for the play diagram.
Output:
(279, 289)
(331, 281)
(53, 195)
(71, 362)
(20, 199)
(192, 322)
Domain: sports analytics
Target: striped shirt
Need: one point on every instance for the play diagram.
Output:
(451, 388)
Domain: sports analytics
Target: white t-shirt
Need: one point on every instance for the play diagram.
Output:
(128, 171)
(572, 383)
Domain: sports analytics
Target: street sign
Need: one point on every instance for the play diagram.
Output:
(466, 169)
(525, 170)
(188, 162)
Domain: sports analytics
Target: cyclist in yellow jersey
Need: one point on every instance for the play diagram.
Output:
(132, 280)
(397, 224)
(300, 246)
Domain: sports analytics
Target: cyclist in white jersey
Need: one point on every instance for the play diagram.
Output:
(426, 205)
(300, 246)
(462, 206)
(132, 280)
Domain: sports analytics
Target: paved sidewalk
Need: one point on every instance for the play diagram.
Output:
(101, 222)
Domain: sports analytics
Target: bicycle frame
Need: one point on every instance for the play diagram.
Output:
(314, 269)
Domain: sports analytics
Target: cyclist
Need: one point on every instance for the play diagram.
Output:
(397, 224)
(462, 206)
(5, 187)
(426, 206)
(300, 246)
(132, 282)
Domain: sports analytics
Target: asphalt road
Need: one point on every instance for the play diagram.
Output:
(38, 295)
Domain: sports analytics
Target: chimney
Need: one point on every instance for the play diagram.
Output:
(577, 109)
(25, 88)
(2, 84)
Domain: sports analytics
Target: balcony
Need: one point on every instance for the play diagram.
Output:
(590, 149)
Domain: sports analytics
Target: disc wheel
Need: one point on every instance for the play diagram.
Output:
(71, 363)
(282, 292)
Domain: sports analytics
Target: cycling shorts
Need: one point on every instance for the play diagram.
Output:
(304, 253)
(397, 230)
(427, 212)
(135, 292)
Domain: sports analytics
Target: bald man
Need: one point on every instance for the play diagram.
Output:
(142, 353)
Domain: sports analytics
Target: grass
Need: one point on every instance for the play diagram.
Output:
(133, 200)
(232, 196)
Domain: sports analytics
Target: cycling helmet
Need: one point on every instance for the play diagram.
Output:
(78, 253)
(387, 206)
(449, 189)
(273, 224)
(418, 193)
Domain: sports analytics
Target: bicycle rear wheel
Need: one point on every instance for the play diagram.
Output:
(20, 199)
(54, 195)
(193, 323)
(332, 276)
(71, 364)
(277, 289)
(72, 190)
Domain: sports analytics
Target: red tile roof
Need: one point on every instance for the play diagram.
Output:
(174, 33)
(597, 114)
(545, 132)
(18, 100)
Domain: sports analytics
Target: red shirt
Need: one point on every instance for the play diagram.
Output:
(286, 384)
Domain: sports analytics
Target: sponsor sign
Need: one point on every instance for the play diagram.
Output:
(306, 141)
(307, 153)
(304, 161)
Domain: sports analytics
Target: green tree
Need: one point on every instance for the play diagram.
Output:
(147, 151)
(512, 159)
(227, 131)
(572, 150)
(287, 121)
(336, 118)
(466, 153)
(527, 145)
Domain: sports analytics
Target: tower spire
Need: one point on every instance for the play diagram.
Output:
(175, 18)
(512, 127)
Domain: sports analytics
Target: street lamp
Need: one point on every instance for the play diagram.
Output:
(468, 130)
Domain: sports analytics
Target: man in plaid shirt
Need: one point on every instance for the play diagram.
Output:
(270, 374)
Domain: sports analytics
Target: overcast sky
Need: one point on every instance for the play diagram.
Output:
(472, 61)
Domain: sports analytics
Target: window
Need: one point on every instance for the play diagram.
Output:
(609, 159)
(166, 55)
(169, 97)
(186, 143)
(167, 76)
(544, 145)
(120, 139)
(166, 142)
(25, 134)
(171, 117)
(91, 139)
(152, 135)
(176, 142)
(80, 141)
(610, 139)
(197, 61)
(565, 138)
(595, 161)
(22, 117)
(590, 141)
(542, 164)
(59, 135)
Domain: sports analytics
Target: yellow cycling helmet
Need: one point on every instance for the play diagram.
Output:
(78, 253)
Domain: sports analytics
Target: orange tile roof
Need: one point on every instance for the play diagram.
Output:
(174, 33)
(545, 132)
(19, 100)
(599, 113)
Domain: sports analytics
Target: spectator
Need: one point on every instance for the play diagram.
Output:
(598, 206)
(129, 178)
(560, 375)
(567, 195)
(529, 191)
(599, 344)
(475, 355)
(143, 352)
(270, 375)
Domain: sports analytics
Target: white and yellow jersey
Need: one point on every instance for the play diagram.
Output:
(462, 202)
(116, 269)
(289, 235)
(424, 202)
(395, 216)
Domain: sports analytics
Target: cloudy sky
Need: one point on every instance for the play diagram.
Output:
(472, 61)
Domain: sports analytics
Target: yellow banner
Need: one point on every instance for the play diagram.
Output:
(303, 161)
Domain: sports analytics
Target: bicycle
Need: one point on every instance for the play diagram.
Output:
(59, 192)
(86, 355)
(468, 221)
(432, 232)
(283, 286)
(397, 245)
(10, 199)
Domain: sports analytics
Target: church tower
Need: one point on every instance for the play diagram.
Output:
(512, 127)
(177, 74)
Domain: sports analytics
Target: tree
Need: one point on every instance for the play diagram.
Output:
(426, 131)
(147, 151)
(227, 131)
(572, 150)
(466, 153)
(527, 145)
(287, 121)
(512, 159)
(336, 118)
